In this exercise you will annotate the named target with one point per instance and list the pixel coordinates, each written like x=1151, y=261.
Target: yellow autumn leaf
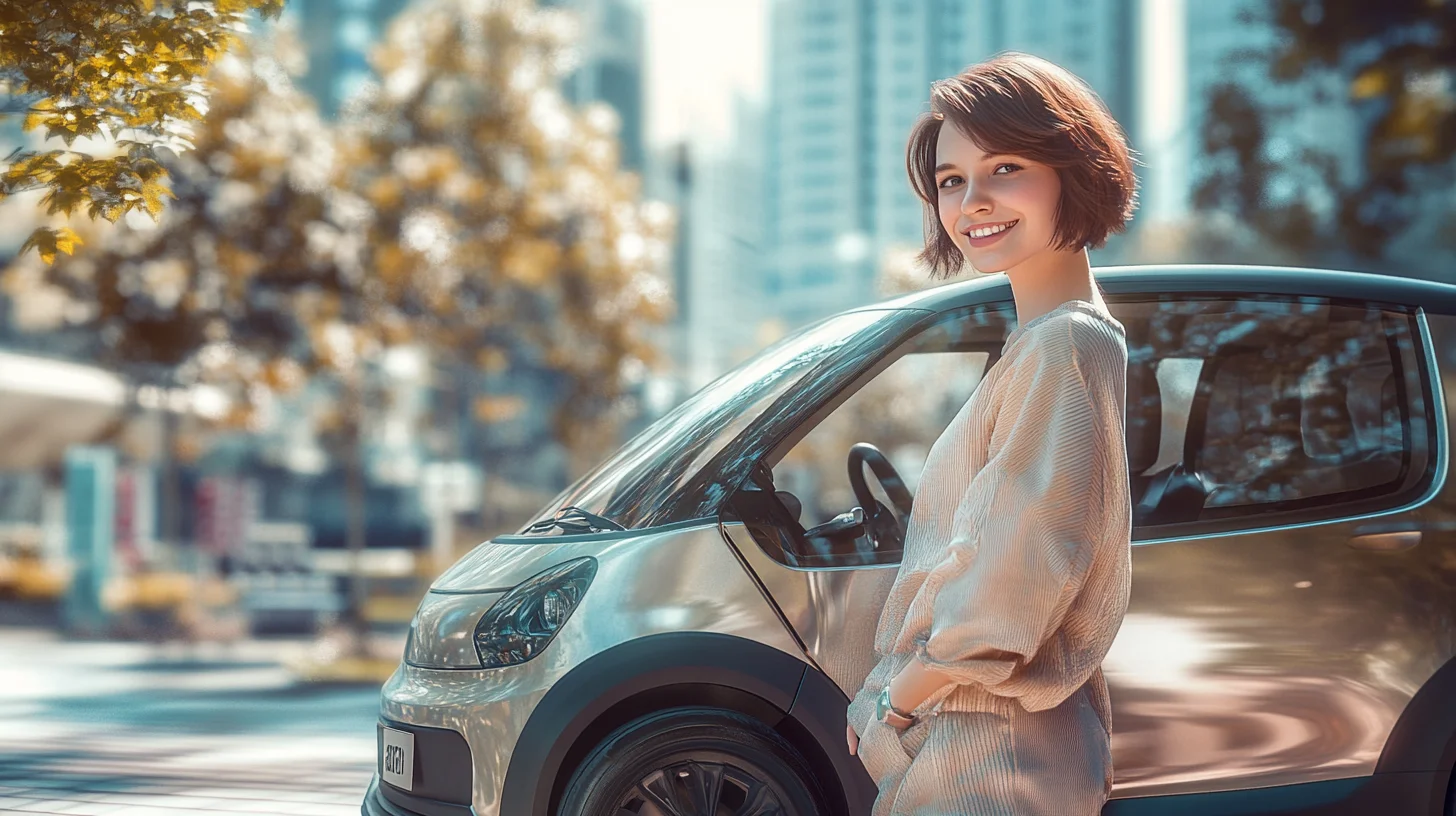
x=49, y=242
x=152, y=193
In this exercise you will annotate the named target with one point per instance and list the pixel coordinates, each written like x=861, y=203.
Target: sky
x=700, y=54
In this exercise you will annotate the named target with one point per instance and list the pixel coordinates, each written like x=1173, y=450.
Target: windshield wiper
x=573, y=519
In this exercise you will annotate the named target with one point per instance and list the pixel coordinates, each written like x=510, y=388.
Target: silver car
x=681, y=631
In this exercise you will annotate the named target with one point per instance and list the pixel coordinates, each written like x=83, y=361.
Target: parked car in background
x=682, y=629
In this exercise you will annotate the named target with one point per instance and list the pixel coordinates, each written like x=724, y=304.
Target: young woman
x=989, y=697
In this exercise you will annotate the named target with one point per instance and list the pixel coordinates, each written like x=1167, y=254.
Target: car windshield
x=632, y=486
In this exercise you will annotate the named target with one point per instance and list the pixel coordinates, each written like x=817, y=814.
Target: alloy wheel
x=699, y=788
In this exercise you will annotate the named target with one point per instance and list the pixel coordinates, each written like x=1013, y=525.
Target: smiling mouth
x=986, y=239
x=982, y=232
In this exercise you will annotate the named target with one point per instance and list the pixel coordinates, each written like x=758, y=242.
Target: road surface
x=126, y=729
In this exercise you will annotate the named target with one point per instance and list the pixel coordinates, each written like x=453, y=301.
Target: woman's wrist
x=897, y=696
x=915, y=684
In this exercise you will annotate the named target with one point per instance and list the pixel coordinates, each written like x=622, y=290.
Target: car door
x=1278, y=449
x=831, y=588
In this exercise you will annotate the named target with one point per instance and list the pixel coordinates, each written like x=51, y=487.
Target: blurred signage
x=452, y=487
x=227, y=507
x=90, y=475
x=135, y=510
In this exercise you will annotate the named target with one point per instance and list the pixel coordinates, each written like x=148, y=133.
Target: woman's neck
x=1049, y=279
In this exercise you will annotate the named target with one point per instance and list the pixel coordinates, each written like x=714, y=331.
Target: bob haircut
x=1022, y=105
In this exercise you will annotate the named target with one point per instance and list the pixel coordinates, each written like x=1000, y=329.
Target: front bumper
x=382, y=800
x=466, y=724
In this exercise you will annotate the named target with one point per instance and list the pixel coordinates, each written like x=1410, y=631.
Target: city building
x=715, y=186
x=337, y=35
x=609, y=66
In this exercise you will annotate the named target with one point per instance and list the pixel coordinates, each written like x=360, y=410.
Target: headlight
x=523, y=622
x=442, y=633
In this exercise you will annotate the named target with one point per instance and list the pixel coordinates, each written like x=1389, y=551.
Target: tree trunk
x=354, y=514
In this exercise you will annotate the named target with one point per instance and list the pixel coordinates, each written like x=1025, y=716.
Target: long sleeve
x=1033, y=585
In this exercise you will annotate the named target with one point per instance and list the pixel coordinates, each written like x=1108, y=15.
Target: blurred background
x=416, y=266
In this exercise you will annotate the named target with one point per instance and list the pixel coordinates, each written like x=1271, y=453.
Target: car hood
x=496, y=567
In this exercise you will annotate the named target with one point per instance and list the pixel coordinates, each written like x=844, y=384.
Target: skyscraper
x=718, y=255
x=338, y=35
x=610, y=66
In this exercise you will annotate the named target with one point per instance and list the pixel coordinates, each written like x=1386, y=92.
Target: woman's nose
x=973, y=200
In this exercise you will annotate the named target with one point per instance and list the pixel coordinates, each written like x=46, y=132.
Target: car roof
x=1437, y=298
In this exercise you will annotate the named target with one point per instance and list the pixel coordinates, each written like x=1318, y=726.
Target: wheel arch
x=1423, y=739
x=667, y=671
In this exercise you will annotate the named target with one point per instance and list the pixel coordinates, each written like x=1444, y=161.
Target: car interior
x=843, y=500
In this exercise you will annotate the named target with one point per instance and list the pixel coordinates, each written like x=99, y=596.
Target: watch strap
x=899, y=721
x=892, y=716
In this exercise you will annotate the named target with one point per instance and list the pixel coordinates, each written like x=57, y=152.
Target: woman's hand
x=852, y=738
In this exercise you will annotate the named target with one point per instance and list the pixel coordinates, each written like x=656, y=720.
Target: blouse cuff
x=861, y=710
x=987, y=672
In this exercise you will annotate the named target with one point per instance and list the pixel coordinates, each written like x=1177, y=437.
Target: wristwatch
x=886, y=713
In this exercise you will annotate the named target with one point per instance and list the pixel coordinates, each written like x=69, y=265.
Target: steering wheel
x=886, y=527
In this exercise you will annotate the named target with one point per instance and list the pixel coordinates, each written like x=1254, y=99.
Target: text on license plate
x=397, y=757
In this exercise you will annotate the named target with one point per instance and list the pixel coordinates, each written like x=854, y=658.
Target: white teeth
x=982, y=233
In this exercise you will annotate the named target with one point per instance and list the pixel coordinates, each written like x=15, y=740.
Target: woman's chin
x=993, y=265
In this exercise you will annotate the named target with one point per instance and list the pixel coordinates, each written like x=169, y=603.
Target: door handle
x=1388, y=541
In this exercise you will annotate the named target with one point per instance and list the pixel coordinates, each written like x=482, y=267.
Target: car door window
x=901, y=408
x=1240, y=409
x=901, y=412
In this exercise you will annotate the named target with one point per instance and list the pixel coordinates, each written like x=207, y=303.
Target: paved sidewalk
x=116, y=776
x=131, y=730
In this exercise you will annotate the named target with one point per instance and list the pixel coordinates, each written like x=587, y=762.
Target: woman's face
x=981, y=193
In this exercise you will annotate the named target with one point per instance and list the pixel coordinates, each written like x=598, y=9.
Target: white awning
x=49, y=405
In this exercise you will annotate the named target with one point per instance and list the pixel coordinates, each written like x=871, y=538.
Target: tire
x=670, y=763
x=1450, y=809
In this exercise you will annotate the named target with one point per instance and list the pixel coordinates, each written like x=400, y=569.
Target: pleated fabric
x=1015, y=580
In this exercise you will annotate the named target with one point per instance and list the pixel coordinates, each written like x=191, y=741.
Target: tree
x=1394, y=63
x=503, y=231
x=129, y=72
x=469, y=210
x=212, y=292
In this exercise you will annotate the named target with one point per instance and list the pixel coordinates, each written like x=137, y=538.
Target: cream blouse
x=1017, y=559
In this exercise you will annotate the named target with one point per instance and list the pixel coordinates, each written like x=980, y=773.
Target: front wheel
x=693, y=762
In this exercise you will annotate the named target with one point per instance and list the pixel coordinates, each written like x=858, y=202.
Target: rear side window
x=1243, y=409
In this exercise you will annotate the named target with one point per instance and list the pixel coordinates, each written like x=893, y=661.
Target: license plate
x=397, y=758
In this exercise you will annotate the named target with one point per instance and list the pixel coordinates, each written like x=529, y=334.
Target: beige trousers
x=1013, y=762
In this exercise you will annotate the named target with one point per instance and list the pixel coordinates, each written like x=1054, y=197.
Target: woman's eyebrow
x=981, y=160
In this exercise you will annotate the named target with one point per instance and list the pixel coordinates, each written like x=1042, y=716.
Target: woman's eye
x=999, y=166
x=946, y=184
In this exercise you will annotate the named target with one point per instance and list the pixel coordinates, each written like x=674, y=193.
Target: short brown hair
x=1023, y=105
